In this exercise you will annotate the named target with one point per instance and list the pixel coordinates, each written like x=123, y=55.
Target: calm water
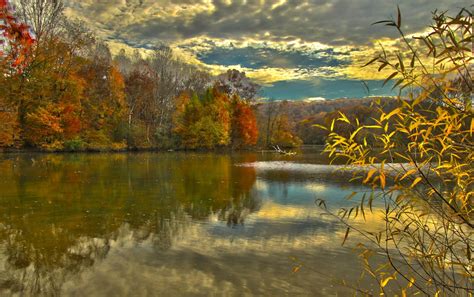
x=172, y=224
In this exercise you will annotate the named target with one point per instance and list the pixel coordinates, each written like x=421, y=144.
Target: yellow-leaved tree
x=419, y=159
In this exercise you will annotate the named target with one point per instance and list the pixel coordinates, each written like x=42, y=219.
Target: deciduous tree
x=244, y=124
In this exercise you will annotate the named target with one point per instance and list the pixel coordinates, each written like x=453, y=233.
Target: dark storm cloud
x=297, y=48
x=329, y=22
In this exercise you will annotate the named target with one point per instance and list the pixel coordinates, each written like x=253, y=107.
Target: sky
x=296, y=49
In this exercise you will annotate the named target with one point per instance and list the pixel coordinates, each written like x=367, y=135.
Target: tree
x=283, y=135
x=104, y=107
x=171, y=78
x=9, y=128
x=139, y=88
x=244, y=124
x=269, y=111
x=234, y=82
x=308, y=130
x=63, y=91
x=205, y=121
x=15, y=54
x=50, y=100
x=428, y=198
x=46, y=91
x=44, y=16
x=15, y=41
x=274, y=125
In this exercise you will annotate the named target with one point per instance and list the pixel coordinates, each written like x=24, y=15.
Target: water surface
x=172, y=224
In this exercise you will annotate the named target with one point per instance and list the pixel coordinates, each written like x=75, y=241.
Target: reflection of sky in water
x=289, y=210
x=199, y=264
x=170, y=252
x=305, y=193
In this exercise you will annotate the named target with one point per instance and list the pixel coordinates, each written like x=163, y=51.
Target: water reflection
x=180, y=224
x=60, y=212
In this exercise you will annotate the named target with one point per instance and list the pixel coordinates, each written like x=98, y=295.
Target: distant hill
x=303, y=114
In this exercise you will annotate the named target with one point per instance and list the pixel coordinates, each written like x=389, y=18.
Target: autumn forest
x=236, y=148
x=61, y=89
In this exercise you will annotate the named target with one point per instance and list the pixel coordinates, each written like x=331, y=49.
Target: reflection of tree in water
x=60, y=213
x=32, y=270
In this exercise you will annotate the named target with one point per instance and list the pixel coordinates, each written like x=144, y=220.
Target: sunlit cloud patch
x=285, y=43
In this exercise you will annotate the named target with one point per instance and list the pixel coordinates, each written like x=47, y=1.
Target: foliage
x=214, y=120
x=275, y=126
x=139, y=89
x=8, y=128
x=244, y=124
x=428, y=197
x=234, y=82
x=75, y=144
x=64, y=91
x=15, y=48
x=104, y=105
x=307, y=116
x=44, y=126
x=205, y=121
x=15, y=41
x=283, y=135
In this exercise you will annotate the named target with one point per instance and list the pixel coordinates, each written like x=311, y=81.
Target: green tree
x=205, y=121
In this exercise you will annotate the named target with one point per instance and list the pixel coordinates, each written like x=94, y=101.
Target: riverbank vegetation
x=61, y=89
x=427, y=240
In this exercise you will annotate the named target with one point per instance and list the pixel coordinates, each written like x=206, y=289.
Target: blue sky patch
x=326, y=88
x=256, y=58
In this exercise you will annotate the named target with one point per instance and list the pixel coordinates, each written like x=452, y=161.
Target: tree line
x=62, y=89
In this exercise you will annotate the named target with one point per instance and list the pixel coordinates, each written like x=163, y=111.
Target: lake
x=173, y=224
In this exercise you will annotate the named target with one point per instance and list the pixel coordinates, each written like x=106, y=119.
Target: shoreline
x=141, y=150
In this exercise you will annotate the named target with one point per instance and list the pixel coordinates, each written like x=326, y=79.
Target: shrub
x=428, y=202
x=76, y=144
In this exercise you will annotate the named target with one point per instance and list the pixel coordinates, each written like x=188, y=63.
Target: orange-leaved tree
x=104, y=106
x=49, y=99
x=244, y=124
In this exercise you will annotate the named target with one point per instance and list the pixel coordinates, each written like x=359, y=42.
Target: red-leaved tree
x=15, y=40
x=244, y=125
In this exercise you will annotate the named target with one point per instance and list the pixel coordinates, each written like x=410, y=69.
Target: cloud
x=265, y=61
x=335, y=22
x=285, y=43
